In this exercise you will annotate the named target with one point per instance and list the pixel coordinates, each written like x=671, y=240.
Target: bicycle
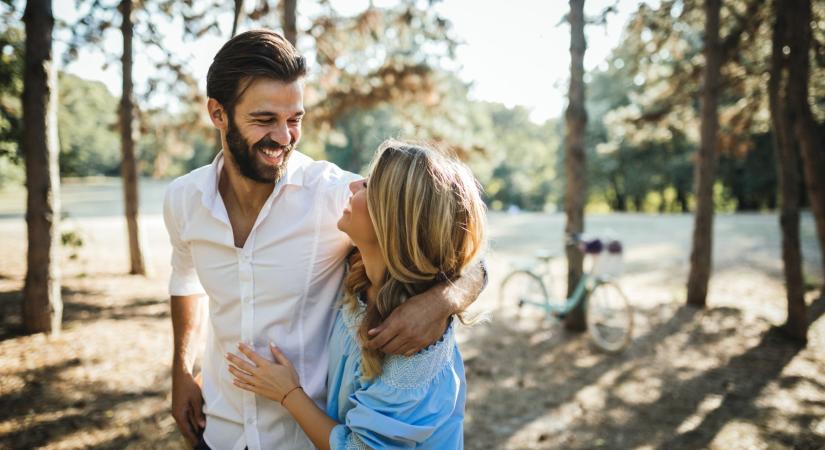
x=608, y=313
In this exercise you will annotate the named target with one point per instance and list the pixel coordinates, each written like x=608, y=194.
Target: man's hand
x=421, y=320
x=412, y=326
x=187, y=405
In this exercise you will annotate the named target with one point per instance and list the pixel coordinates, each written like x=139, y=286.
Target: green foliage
x=71, y=241
x=520, y=166
x=174, y=144
x=12, y=43
x=644, y=109
x=89, y=144
x=516, y=167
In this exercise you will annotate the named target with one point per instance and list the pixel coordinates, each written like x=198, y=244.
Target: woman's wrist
x=296, y=388
x=295, y=399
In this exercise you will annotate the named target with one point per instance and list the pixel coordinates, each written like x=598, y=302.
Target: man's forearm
x=462, y=292
x=187, y=323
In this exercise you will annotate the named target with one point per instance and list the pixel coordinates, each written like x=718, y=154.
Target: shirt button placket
x=247, y=335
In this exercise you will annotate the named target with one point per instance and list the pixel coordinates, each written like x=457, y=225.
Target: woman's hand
x=270, y=380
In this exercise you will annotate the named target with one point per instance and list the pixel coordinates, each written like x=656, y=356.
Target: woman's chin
x=342, y=225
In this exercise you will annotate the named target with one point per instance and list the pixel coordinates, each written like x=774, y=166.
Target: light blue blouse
x=416, y=402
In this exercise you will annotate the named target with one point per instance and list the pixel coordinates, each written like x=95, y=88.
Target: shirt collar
x=208, y=182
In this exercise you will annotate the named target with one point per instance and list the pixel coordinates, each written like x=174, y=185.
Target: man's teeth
x=271, y=153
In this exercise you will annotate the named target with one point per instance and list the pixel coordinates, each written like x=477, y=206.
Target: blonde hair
x=429, y=220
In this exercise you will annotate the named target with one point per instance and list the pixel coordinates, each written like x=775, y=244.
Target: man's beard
x=246, y=157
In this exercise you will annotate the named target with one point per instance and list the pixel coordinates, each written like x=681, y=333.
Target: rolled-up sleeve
x=184, y=279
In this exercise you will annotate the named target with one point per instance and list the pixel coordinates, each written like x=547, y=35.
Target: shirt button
x=248, y=300
x=250, y=421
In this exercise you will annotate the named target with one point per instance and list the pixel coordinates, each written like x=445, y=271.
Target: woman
x=418, y=220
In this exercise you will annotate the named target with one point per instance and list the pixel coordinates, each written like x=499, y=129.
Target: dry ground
x=717, y=378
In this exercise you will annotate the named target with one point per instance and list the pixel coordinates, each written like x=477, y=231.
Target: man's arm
x=421, y=320
x=187, y=400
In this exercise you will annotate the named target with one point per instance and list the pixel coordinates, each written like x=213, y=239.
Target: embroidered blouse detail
x=416, y=402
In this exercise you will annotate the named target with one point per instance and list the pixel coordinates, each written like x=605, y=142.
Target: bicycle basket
x=608, y=264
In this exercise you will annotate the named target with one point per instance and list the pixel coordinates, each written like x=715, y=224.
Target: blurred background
x=688, y=148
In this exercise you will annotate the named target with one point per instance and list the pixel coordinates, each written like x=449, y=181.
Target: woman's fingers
x=240, y=363
x=243, y=385
x=279, y=355
x=249, y=353
x=241, y=375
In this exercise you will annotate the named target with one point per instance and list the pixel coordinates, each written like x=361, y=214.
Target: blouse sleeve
x=402, y=408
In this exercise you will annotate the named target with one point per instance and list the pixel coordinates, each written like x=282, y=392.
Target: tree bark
x=705, y=170
x=805, y=128
x=575, y=194
x=42, y=305
x=787, y=158
x=236, y=19
x=128, y=166
x=290, y=16
x=681, y=199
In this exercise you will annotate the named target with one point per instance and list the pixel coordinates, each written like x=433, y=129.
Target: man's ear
x=217, y=114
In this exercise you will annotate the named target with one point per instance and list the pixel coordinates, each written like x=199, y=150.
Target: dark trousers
x=201, y=445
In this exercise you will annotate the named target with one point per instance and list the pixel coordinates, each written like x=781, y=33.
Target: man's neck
x=375, y=268
x=247, y=196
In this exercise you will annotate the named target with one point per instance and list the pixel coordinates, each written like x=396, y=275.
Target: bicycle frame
x=586, y=283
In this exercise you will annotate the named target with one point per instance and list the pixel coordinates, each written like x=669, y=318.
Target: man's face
x=265, y=127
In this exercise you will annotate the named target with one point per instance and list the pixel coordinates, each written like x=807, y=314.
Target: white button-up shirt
x=280, y=287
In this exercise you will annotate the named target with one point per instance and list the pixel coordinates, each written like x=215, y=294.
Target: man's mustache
x=269, y=144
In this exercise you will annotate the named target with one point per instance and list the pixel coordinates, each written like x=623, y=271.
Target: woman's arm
x=315, y=422
x=279, y=382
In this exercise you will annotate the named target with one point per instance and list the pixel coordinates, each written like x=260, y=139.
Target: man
x=256, y=232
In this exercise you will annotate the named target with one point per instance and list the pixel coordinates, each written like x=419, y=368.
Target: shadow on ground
x=80, y=305
x=51, y=415
x=684, y=379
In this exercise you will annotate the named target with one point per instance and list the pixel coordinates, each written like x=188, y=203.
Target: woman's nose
x=355, y=186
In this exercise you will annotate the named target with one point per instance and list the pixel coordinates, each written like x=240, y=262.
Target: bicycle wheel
x=519, y=294
x=609, y=317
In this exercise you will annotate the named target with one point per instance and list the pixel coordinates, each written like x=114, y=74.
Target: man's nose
x=280, y=134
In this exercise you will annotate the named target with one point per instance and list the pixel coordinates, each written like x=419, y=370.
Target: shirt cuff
x=342, y=438
x=180, y=286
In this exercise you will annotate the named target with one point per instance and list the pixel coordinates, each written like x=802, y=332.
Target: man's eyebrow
x=262, y=113
x=270, y=114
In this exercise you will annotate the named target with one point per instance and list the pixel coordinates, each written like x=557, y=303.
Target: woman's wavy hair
x=429, y=220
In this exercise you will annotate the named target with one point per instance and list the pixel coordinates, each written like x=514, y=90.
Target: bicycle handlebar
x=593, y=246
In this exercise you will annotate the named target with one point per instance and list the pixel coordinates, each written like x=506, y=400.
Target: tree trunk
x=236, y=19
x=681, y=199
x=787, y=158
x=619, y=199
x=289, y=14
x=128, y=167
x=42, y=305
x=805, y=129
x=575, y=121
x=705, y=169
x=663, y=206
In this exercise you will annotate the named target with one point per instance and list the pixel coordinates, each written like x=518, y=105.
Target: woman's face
x=355, y=221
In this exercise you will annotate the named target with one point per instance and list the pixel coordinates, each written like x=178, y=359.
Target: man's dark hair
x=253, y=54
